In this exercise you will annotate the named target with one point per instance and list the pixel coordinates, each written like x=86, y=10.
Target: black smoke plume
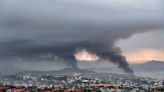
x=31, y=29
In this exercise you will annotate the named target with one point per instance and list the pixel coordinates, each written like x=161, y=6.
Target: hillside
x=149, y=66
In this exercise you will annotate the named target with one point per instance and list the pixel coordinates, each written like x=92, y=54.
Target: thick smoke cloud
x=31, y=28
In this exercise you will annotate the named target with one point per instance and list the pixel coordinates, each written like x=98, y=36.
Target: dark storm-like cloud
x=31, y=28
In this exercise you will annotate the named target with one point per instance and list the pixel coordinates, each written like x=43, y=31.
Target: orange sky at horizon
x=144, y=55
x=133, y=57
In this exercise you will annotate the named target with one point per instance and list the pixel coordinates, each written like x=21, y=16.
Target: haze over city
x=54, y=34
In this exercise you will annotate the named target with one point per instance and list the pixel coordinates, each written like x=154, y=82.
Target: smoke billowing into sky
x=35, y=30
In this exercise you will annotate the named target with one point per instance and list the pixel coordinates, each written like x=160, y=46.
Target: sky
x=150, y=48
x=64, y=32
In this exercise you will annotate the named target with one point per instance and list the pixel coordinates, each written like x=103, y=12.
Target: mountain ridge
x=154, y=65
